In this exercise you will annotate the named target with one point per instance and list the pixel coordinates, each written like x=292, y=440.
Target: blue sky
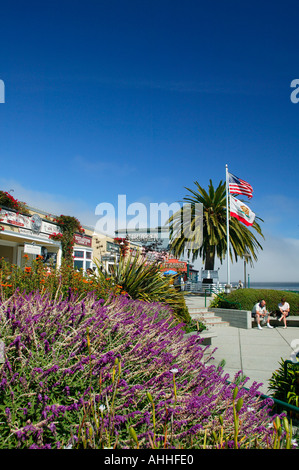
x=143, y=98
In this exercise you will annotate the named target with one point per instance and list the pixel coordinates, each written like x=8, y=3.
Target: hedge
x=247, y=298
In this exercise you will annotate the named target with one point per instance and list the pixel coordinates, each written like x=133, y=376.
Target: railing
x=208, y=290
x=202, y=288
x=281, y=405
x=230, y=302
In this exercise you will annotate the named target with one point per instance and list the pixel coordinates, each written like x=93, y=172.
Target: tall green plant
x=145, y=281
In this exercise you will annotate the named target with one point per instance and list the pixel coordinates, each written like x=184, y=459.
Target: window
x=82, y=259
x=78, y=264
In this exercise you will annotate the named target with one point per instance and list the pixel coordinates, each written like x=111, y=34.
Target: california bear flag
x=242, y=212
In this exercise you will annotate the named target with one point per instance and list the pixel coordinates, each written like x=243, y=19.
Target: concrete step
x=206, y=336
x=217, y=323
x=203, y=315
x=208, y=318
x=197, y=309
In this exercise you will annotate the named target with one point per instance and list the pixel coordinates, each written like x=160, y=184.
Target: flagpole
x=227, y=230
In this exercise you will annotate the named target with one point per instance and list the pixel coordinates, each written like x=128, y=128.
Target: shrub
x=93, y=375
x=56, y=283
x=138, y=282
x=285, y=387
x=145, y=281
x=247, y=298
x=194, y=325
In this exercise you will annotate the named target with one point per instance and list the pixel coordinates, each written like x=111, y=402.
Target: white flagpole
x=227, y=229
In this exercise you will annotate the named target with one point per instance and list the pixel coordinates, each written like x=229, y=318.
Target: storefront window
x=78, y=264
x=24, y=259
x=82, y=259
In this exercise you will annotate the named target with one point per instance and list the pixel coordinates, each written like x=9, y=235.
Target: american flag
x=238, y=186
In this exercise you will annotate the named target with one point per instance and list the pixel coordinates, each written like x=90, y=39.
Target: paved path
x=197, y=301
x=257, y=353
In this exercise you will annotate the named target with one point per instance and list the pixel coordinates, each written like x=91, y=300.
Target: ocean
x=293, y=286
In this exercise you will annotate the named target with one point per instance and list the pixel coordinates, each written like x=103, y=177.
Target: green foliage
x=130, y=278
x=195, y=325
x=285, y=387
x=247, y=298
x=144, y=281
x=69, y=226
x=214, y=242
x=64, y=282
x=221, y=301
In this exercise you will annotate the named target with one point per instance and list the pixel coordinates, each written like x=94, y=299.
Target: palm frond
x=214, y=243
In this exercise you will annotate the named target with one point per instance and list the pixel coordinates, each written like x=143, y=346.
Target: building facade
x=30, y=234
x=158, y=240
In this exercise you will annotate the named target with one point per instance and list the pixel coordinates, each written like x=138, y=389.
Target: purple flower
x=8, y=414
x=135, y=349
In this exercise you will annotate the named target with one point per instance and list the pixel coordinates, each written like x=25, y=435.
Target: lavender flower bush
x=116, y=374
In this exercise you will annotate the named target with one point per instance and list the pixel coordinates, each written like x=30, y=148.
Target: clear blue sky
x=143, y=97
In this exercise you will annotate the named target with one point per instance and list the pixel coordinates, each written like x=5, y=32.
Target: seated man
x=259, y=312
x=284, y=308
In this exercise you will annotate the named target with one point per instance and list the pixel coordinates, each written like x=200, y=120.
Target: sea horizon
x=291, y=286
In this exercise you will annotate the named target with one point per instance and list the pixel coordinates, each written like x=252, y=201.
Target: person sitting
x=259, y=312
x=240, y=285
x=284, y=308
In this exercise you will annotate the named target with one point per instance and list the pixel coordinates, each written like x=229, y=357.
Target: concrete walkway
x=196, y=301
x=257, y=353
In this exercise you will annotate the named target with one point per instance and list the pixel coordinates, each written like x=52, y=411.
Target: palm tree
x=214, y=241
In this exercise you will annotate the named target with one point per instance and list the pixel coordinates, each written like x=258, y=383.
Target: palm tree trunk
x=210, y=258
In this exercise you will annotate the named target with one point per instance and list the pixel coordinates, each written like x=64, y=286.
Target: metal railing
x=230, y=302
x=202, y=288
x=280, y=405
